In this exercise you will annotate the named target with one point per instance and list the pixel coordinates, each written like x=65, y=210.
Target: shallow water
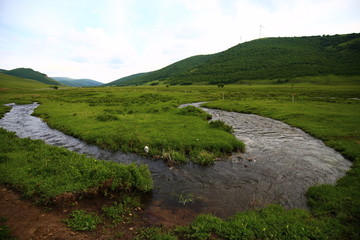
x=279, y=164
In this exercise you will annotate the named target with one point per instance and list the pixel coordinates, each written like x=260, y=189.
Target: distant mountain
x=266, y=58
x=29, y=73
x=78, y=82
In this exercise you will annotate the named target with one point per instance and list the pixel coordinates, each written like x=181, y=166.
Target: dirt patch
x=28, y=221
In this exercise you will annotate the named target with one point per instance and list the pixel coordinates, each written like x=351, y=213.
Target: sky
x=105, y=40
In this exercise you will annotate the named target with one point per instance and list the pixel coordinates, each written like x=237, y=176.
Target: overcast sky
x=108, y=39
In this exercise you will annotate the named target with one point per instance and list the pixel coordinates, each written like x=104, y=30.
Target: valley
x=271, y=150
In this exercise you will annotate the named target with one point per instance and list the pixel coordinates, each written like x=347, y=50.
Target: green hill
x=77, y=82
x=31, y=74
x=124, y=80
x=167, y=74
x=267, y=58
x=11, y=82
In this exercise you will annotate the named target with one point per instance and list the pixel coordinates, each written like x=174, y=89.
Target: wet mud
x=279, y=165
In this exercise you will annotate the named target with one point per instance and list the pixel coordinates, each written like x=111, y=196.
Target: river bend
x=279, y=165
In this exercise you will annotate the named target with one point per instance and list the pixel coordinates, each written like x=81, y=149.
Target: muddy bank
x=279, y=164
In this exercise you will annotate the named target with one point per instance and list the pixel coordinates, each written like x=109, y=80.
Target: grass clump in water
x=172, y=156
x=121, y=210
x=203, y=157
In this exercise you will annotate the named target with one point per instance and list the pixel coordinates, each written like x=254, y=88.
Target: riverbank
x=271, y=171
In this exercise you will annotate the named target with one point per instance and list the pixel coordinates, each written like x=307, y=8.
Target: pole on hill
x=261, y=26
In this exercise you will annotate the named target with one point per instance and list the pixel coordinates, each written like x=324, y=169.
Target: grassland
x=128, y=118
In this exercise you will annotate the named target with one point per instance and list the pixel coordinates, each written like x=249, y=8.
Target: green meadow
x=128, y=118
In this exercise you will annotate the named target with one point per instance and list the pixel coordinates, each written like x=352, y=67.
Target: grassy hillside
x=31, y=74
x=11, y=82
x=77, y=82
x=269, y=58
x=126, y=79
x=167, y=74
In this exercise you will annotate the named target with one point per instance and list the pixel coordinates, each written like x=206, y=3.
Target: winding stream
x=279, y=165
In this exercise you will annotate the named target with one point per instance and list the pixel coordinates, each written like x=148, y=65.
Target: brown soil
x=28, y=221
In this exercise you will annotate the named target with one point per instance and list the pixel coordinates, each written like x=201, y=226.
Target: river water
x=279, y=165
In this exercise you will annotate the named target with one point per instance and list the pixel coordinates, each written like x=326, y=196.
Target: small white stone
x=146, y=149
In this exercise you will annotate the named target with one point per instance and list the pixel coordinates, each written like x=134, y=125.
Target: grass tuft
x=81, y=220
x=221, y=125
